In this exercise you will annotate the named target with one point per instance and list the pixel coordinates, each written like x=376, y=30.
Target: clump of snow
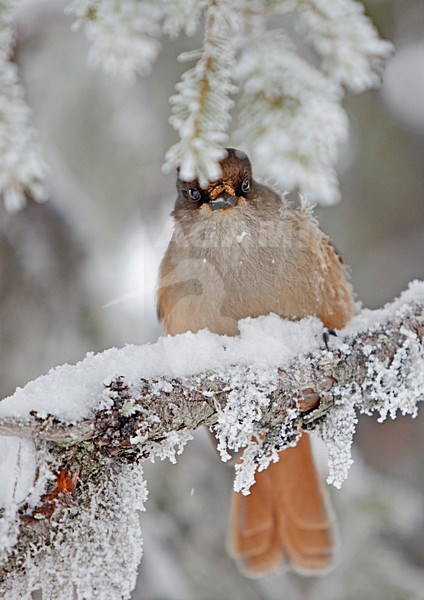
x=367, y=318
x=337, y=432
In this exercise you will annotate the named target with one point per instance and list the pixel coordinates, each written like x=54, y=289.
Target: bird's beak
x=223, y=201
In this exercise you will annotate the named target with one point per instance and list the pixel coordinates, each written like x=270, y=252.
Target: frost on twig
x=290, y=118
x=22, y=167
x=290, y=114
x=256, y=392
x=346, y=40
x=124, y=35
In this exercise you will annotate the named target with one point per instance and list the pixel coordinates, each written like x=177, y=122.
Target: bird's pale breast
x=230, y=266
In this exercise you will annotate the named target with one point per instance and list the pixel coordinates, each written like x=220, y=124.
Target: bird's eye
x=245, y=186
x=194, y=194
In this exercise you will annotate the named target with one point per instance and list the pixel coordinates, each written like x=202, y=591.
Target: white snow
x=373, y=318
x=17, y=458
x=22, y=166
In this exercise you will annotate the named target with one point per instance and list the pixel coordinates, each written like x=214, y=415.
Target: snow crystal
x=240, y=426
x=170, y=447
x=337, y=432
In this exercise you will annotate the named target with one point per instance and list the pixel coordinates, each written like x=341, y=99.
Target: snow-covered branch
x=312, y=384
x=289, y=112
x=123, y=35
x=22, y=167
x=92, y=424
x=290, y=118
x=201, y=108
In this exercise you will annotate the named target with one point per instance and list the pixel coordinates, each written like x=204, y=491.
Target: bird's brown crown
x=234, y=166
x=234, y=183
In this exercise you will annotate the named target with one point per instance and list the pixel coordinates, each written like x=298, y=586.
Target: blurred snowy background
x=78, y=274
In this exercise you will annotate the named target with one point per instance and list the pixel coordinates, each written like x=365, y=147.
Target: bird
x=240, y=249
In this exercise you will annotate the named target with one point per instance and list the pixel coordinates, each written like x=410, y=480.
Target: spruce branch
x=124, y=35
x=290, y=114
x=201, y=108
x=291, y=119
x=292, y=126
x=22, y=168
x=346, y=40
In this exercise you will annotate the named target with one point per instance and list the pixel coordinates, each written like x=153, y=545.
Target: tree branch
x=165, y=405
x=378, y=365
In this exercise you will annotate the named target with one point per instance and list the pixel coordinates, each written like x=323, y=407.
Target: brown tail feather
x=283, y=518
x=252, y=534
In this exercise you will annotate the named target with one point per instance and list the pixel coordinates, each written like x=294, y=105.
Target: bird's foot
x=326, y=336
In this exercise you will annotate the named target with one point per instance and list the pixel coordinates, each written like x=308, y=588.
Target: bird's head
x=233, y=189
